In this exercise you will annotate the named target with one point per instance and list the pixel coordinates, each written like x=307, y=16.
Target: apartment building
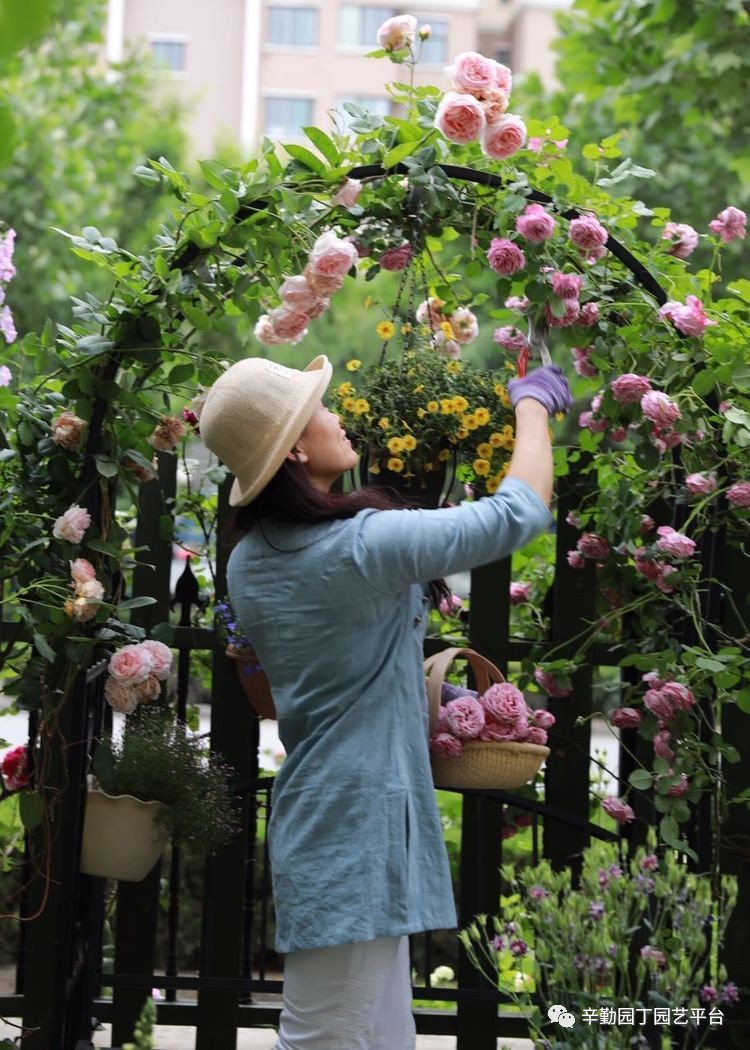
x=250, y=68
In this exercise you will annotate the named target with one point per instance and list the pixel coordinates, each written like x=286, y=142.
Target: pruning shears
x=537, y=339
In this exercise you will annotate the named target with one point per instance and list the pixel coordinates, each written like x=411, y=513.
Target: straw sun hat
x=254, y=413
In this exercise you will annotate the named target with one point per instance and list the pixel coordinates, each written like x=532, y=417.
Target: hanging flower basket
x=482, y=764
x=427, y=487
x=122, y=838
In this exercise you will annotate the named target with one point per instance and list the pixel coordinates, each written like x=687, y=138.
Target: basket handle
x=436, y=668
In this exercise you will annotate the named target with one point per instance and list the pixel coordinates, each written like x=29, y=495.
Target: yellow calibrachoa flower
x=349, y=404
x=395, y=464
x=492, y=483
x=446, y=405
x=345, y=389
x=496, y=440
x=361, y=406
x=432, y=406
x=453, y=367
x=503, y=471
x=353, y=365
x=447, y=328
x=470, y=421
x=481, y=415
x=462, y=433
x=374, y=468
x=460, y=403
x=396, y=444
x=385, y=329
x=421, y=413
x=508, y=431
x=384, y=423
x=443, y=454
x=410, y=442
x=485, y=450
x=481, y=467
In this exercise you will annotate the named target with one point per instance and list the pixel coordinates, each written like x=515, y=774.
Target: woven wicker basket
x=488, y=764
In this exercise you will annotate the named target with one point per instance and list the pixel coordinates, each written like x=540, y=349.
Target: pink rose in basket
x=465, y=717
x=543, y=719
x=502, y=733
x=504, y=703
x=447, y=745
x=536, y=735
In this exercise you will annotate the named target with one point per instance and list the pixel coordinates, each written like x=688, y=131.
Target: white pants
x=351, y=997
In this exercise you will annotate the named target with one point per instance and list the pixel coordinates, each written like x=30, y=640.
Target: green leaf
x=703, y=381
x=104, y=548
x=136, y=603
x=23, y=24
x=106, y=466
x=181, y=373
x=7, y=132
x=31, y=807
x=398, y=153
x=42, y=646
x=324, y=145
x=640, y=779
x=742, y=699
x=305, y=157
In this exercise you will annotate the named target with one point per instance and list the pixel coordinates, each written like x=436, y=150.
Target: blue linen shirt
x=337, y=614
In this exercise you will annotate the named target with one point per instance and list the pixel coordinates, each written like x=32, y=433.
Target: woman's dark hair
x=291, y=498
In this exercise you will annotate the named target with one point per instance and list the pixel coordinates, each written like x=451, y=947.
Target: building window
x=293, y=26
x=378, y=105
x=169, y=53
x=358, y=25
x=287, y=116
x=435, y=47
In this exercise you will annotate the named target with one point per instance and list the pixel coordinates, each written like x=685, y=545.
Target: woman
x=331, y=590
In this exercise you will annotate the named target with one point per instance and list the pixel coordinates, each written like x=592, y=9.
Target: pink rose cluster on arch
x=306, y=295
x=499, y=714
x=136, y=673
x=88, y=592
x=450, y=331
x=475, y=110
x=7, y=273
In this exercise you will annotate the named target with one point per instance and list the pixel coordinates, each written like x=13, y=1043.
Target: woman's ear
x=297, y=456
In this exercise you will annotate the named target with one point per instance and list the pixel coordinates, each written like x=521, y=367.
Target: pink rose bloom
x=505, y=257
x=331, y=256
x=14, y=767
x=7, y=244
x=596, y=426
x=679, y=789
x=679, y=694
x=536, y=735
x=504, y=137
x=290, y=325
x=121, y=696
x=347, y=194
x=576, y=560
x=517, y=302
x=92, y=589
x=494, y=102
x=683, y=239
x=264, y=331
x=660, y=704
x=519, y=593
x=504, y=703
x=147, y=691
x=700, y=484
x=503, y=78
x=592, y=546
x=738, y=495
x=82, y=571
x=574, y=518
x=647, y=524
x=473, y=72
x=535, y=224
x=618, y=809
x=730, y=224
x=447, y=745
x=297, y=294
x=653, y=680
x=549, y=683
x=659, y=408
x=450, y=606
x=446, y=347
x=465, y=717
x=618, y=433
x=322, y=285
x=589, y=315
x=587, y=233
x=397, y=32
x=503, y=733
x=442, y=721
x=630, y=387
x=510, y=338
x=543, y=718
x=566, y=285
x=649, y=954
x=688, y=317
x=464, y=324
x=581, y=361
x=571, y=310
x=661, y=744
x=80, y=609
x=67, y=430
x=71, y=526
x=396, y=258
x=674, y=543
x=647, y=566
x=132, y=664
x=161, y=656
x=625, y=718
x=167, y=433
x=460, y=118
x=430, y=312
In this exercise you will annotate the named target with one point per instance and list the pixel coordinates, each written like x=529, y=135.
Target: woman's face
x=324, y=448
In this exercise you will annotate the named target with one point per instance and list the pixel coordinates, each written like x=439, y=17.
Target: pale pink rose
x=535, y=224
x=592, y=546
x=450, y=606
x=396, y=258
x=589, y=314
x=653, y=680
x=535, y=735
x=14, y=767
x=587, y=233
x=460, y=118
x=447, y=347
x=148, y=690
x=290, y=325
x=517, y=302
x=473, y=72
x=674, y=543
x=519, y=593
x=738, y=495
x=425, y=32
x=92, y=589
x=264, y=331
x=167, y=434
x=504, y=703
x=700, y=484
x=331, y=256
x=618, y=809
x=683, y=239
x=71, y=526
x=682, y=697
x=131, y=664
x=630, y=387
x=576, y=560
x=81, y=609
x=730, y=224
x=321, y=284
x=464, y=324
x=574, y=518
x=494, y=102
x=504, y=137
x=499, y=731
x=659, y=408
x=505, y=257
x=661, y=743
x=549, y=683
x=430, y=312
x=594, y=255
x=596, y=426
x=625, y=718
x=649, y=954
x=347, y=194
x=447, y=745
x=543, y=718
x=724, y=406
x=465, y=717
x=662, y=705
x=297, y=294
x=510, y=338
x=82, y=571
x=566, y=285
x=120, y=696
x=397, y=32
x=67, y=430
x=680, y=788
x=161, y=657
x=503, y=78
x=688, y=317
x=648, y=567
x=571, y=308
x=647, y=524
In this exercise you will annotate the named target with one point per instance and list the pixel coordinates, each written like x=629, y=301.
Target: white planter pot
x=121, y=838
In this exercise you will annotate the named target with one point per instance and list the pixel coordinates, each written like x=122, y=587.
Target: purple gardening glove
x=547, y=385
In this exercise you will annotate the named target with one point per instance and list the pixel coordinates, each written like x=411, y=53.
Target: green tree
x=80, y=131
